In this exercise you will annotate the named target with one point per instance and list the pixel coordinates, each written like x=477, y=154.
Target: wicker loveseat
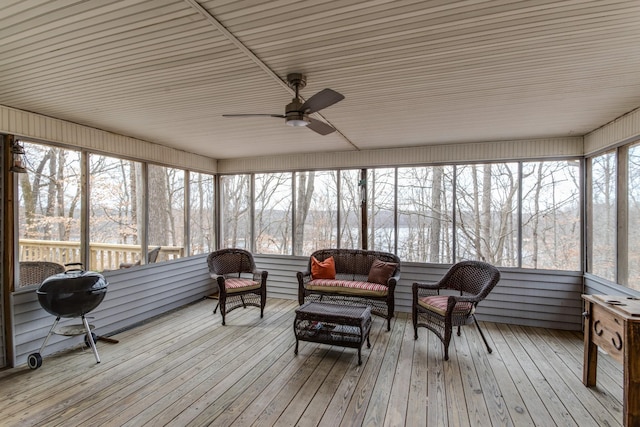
x=351, y=285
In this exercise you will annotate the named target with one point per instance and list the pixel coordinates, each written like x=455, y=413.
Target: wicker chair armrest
x=422, y=289
x=424, y=285
x=304, y=277
x=393, y=281
x=260, y=275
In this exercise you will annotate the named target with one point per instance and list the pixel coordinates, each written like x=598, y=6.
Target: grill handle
x=73, y=269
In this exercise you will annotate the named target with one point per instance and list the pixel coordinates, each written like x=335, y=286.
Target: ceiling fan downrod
x=294, y=116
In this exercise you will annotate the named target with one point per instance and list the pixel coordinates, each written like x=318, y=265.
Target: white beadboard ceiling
x=414, y=73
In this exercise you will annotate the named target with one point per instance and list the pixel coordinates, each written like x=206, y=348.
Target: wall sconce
x=18, y=161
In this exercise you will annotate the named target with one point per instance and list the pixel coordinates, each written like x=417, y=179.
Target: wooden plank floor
x=185, y=369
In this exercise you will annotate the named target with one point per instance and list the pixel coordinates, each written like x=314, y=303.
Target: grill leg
x=90, y=338
x=44, y=344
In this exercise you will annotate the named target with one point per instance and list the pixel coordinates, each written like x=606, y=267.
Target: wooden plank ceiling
x=413, y=72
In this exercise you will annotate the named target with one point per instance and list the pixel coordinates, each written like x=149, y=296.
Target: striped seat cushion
x=438, y=304
x=348, y=287
x=239, y=284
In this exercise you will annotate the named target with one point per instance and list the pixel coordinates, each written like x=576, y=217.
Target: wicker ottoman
x=334, y=324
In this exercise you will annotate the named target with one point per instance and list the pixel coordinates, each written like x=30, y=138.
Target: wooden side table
x=613, y=324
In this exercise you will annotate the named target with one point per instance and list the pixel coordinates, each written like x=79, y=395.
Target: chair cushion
x=239, y=284
x=323, y=269
x=438, y=304
x=381, y=271
x=348, y=287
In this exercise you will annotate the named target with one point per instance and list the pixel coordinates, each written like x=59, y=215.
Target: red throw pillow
x=381, y=271
x=323, y=269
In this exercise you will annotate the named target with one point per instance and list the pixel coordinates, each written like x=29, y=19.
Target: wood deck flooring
x=185, y=369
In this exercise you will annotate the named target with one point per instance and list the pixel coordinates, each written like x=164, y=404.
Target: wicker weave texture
x=332, y=324
x=378, y=306
x=34, y=272
x=231, y=262
x=353, y=265
x=227, y=263
x=466, y=281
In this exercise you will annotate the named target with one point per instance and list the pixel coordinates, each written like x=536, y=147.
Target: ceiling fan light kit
x=297, y=112
x=293, y=113
x=302, y=121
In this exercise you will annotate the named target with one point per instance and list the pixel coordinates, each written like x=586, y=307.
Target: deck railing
x=102, y=256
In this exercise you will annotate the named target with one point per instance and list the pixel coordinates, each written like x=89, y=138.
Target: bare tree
x=305, y=191
x=235, y=208
x=485, y=224
x=436, y=223
x=273, y=212
x=201, y=215
x=349, y=205
x=158, y=196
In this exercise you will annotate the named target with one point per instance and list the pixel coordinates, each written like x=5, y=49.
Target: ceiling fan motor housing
x=294, y=116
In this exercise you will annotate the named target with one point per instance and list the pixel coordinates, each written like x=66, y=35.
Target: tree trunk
x=504, y=226
x=135, y=178
x=51, y=193
x=436, y=221
x=159, y=225
x=476, y=214
x=306, y=181
x=29, y=197
x=485, y=230
x=199, y=242
x=536, y=218
x=63, y=226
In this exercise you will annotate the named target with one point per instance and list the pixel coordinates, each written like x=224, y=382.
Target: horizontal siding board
x=432, y=154
x=533, y=322
x=535, y=313
x=560, y=300
x=597, y=286
x=282, y=281
x=619, y=131
x=280, y=293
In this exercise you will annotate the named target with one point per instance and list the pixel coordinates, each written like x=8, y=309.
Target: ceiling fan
x=296, y=113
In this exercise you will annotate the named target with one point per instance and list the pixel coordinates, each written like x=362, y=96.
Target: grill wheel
x=34, y=360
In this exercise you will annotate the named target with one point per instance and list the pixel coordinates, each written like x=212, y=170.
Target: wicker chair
x=152, y=256
x=239, y=282
x=441, y=312
x=34, y=272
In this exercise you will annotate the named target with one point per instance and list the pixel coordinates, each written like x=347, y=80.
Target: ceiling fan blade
x=322, y=99
x=320, y=127
x=280, y=116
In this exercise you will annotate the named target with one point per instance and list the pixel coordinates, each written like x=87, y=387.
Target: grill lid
x=73, y=293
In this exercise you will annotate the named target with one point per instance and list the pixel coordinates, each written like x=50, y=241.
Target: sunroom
x=507, y=132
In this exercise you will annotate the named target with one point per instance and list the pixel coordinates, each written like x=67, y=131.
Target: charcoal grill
x=71, y=294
